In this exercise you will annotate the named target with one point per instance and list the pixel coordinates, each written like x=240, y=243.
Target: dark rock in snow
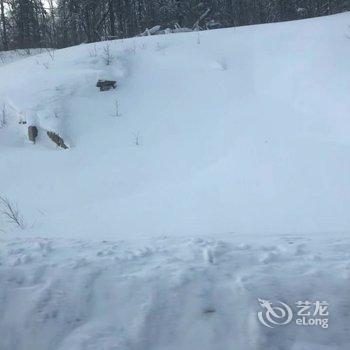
x=106, y=85
x=32, y=133
x=57, y=139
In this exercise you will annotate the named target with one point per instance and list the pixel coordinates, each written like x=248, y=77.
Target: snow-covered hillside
x=7, y=57
x=238, y=137
x=246, y=131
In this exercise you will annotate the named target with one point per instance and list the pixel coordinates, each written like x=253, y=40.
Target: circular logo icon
x=274, y=315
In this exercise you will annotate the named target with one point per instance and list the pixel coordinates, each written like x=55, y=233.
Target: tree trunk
x=53, y=24
x=111, y=17
x=4, y=30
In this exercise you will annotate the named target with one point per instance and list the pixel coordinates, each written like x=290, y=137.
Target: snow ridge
x=79, y=295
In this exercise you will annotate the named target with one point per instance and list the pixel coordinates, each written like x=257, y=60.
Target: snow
x=245, y=132
x=223, y=179
x=166, y=294
x=10, y=56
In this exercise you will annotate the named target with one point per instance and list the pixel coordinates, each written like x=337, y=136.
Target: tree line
x=61, y=23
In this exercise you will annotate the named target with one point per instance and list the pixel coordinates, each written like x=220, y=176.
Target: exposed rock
x=106, y=85
x=57, y=139
x=32, y=133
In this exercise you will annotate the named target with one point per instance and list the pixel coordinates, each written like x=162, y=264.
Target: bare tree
x=3, y=117
x=62, y=23
x=11, y=212
x=117, y=113
x=53, y=31
x=4, y=28
x=107, y=55
x=93, y=52
x=2, y=58
x=51, y=53
x=137, y=138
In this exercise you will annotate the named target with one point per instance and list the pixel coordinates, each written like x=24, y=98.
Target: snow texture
x=167, y=294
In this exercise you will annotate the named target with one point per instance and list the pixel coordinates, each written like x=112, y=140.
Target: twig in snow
x=137, y=139
x=10, y=211
x=3, y=120
x=117, y=113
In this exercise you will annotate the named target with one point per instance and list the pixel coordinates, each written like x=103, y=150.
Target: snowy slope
x=246, y=131
x=237, y=137
x=7, y=57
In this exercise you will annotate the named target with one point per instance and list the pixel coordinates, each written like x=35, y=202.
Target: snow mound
x=166, y=294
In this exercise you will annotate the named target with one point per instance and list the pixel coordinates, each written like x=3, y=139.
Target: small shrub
x=11, y=212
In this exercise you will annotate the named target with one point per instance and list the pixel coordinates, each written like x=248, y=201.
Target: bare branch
x=107, y=55
x=11, y=212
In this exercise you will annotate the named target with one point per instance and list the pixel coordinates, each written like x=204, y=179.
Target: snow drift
x=185, y=294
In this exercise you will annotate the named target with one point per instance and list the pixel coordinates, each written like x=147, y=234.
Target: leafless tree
x=61, y=23
x=117, y=113
x=11, y=212
x=107, y=55
x=2, y=58
x=51, y=53
x=3, y=27
x=3, y=117
x=137, y=139
x=93, y=52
